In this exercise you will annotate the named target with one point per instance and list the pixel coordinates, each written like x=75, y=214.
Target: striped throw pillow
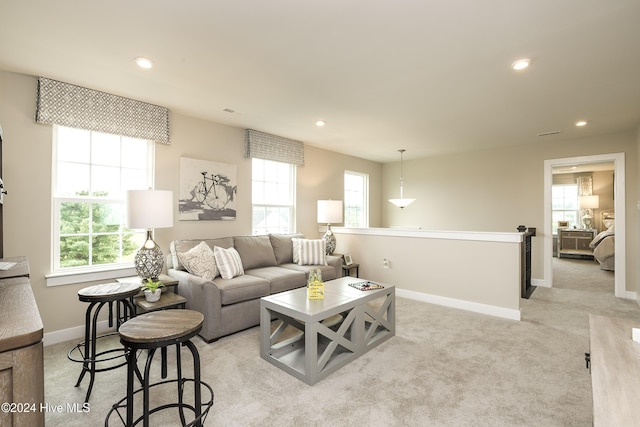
x=228, y=262
x=312, y=252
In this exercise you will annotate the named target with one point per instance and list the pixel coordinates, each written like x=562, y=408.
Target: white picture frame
x=347, y=259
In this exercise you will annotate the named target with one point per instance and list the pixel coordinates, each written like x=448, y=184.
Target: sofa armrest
x=202, y=295
x=336, y=262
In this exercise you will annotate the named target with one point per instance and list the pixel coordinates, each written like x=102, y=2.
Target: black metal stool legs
x=155, y=331
x=88, y=348
x=197, y=406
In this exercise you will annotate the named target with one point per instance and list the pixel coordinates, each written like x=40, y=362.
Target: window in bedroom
x=91, y=173
x=273, y=196
x=564, y=202
x=356, y=199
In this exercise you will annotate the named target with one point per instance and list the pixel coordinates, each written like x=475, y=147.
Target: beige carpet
x=444, y=367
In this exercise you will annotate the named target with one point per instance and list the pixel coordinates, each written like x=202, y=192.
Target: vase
x=152, y=296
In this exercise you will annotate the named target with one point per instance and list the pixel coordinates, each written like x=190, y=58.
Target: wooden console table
x=615, y=371
x=21, y=352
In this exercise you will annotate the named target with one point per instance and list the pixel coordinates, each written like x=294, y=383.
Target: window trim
x=293, y=173
x=577, y=210
x=83, y=274
x=365, y=201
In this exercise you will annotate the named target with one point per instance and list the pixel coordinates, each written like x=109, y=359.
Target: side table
x=168, y=299
x=97, y=296
x=347, y=269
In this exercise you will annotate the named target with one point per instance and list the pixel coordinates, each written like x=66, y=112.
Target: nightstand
x=574, y=242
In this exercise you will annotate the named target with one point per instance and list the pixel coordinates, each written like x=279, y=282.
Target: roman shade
x=78, y=107
x=265, y=146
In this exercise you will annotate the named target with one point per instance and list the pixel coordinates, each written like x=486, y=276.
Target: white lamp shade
x=330, y=211
x=149, y=209
x=402, y=203
x=589, y=202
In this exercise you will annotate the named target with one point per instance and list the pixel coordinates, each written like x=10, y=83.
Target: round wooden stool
x=97, y=296
x=161, y=329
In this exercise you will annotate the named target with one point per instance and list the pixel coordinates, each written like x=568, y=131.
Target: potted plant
x=152, y=289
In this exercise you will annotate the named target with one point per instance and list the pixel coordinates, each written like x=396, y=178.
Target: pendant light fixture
x=401, y=202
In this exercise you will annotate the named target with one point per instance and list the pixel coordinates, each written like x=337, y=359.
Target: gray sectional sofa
x=231, y=305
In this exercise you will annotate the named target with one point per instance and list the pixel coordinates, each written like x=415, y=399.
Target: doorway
x=619, y=206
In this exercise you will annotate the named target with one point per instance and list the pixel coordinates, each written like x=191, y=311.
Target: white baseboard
x=475, y=307
x=539, y=282
x=75, y=333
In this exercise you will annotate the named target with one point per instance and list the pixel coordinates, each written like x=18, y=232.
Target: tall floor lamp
x=149, y=209
x=329, y=211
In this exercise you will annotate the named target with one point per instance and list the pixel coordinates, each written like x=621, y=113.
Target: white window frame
x=363, y=201
x=69, y=275
x=577, y=210
x=290, y=203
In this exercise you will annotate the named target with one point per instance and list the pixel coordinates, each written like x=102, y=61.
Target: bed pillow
x=312, y=252
x=228, y=262
x=599, y=238
x=200, y=261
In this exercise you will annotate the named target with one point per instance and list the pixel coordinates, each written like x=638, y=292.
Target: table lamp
x=587, y=203
x=329, y=211
x=149, y=209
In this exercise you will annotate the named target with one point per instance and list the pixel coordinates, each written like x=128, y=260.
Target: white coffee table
x=368, y=319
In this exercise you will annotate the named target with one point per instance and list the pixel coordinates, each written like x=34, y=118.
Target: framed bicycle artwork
x=207, y=190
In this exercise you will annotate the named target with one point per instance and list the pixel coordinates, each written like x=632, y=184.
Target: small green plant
x=151, y=285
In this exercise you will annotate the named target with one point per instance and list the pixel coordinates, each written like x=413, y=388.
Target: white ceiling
x=431, y=76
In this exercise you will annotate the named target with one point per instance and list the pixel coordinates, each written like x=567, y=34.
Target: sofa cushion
x=255, y=251
x=312, y=252
x=200, y=261
x=283, y=246
x=328, y=271
x=241, y=288
x=181, y=246
x=228, y=262
x=281, y=279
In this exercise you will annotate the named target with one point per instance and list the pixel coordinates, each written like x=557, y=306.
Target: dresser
x=575, y=242
x=615, y=371
x=21, y=350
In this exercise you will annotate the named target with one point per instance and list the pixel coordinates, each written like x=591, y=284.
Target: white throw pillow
x=228, y=262
x=295, y=242
x=312, y=252
x=200, y=261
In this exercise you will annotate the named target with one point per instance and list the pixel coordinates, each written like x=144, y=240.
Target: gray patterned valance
x=78, y=107
x=271, y=147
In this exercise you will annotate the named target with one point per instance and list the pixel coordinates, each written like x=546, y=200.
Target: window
x=564, y=202
x=273, y=196
x=91, y=173
x=356, y=200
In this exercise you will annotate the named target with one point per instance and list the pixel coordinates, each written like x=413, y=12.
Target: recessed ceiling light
x=144, y=62
x=581, y=123
x=320, y=123
x=521, y=64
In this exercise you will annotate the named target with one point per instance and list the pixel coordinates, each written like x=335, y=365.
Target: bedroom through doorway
x=582, y=197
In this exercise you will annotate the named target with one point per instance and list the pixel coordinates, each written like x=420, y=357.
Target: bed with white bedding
x=604, y=244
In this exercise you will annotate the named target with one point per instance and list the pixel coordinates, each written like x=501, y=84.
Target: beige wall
x=428, y=265
x=323, y=178
x=27, y=212
x=497, y=190
x=484, y=191
x=635, y=202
